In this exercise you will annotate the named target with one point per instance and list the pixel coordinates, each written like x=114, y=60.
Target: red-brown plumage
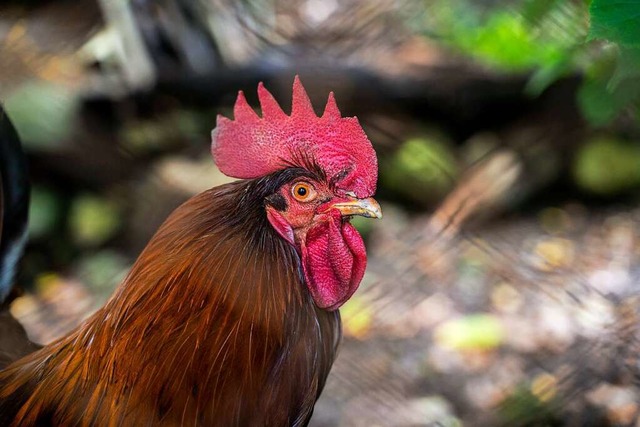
x=211, y=327
x=223, y=320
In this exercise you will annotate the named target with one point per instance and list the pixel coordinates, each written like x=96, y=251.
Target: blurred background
x=503, y=281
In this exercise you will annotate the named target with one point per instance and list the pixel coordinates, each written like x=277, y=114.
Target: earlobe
x=280, y=224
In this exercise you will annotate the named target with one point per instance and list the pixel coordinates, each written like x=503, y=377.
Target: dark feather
x=14, y=203
x=213, y=326
x=14, y=206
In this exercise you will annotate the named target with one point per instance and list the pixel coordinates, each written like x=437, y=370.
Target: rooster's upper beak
x=367, y=208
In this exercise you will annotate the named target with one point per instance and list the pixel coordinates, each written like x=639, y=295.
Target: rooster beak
x=367, y=208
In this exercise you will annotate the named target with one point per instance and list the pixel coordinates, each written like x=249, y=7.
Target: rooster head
x=332, y=173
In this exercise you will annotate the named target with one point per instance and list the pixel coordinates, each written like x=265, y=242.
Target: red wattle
x=333, y=260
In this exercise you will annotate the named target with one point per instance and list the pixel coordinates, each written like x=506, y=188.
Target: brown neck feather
x=212, y=326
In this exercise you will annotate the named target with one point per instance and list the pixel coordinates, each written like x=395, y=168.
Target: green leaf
x=507, y=41
x=617, y=21
x=628, y=66
x=600, y=105
x=44, y=212
x=43, y=113
x=535, y=11
x=93, y=220
x=546, y=75
x=522, y=407
x=608, y=166
x=480, y=331
x=421, y=163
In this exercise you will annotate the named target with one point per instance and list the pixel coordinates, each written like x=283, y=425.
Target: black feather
x=14, y=203
x=14, y=208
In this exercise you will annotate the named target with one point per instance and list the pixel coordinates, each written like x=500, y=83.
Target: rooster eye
x=303, y=192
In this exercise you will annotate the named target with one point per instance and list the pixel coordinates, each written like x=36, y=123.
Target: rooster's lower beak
x=367, y=208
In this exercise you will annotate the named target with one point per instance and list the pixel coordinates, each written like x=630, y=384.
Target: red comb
x=251, y=146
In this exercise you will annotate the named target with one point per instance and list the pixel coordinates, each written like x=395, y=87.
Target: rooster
x=229, y=315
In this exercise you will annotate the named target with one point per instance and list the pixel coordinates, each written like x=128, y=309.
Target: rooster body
x=274, y=333
x=227, y=318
